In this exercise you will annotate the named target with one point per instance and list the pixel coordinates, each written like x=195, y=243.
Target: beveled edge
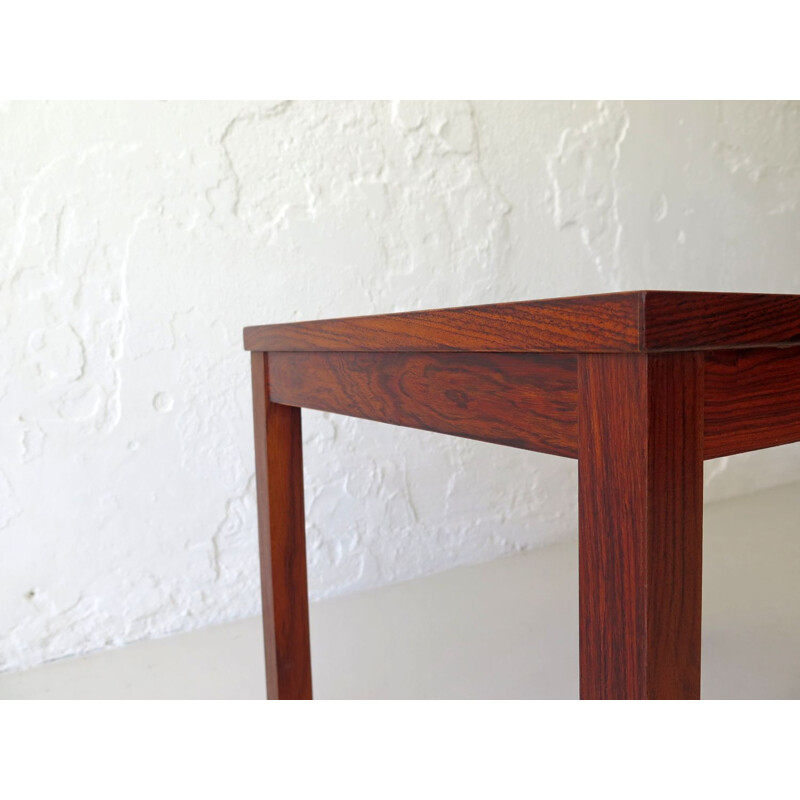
x=636, y=321
x=718, y=320
x=603, y=322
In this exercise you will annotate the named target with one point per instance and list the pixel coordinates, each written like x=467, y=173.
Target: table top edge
x=629, y=321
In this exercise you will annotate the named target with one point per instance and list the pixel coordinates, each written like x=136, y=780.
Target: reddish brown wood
x=620, y=380
x=605, y=323
x=281, y=527
x=568, y=324
x=640, y=551
x=752, y=399
x=706, y=320
x=520, y=400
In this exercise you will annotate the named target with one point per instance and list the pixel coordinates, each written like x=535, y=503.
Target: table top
x=641, y=321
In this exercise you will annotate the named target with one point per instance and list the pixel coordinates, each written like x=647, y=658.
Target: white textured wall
x=136, y=240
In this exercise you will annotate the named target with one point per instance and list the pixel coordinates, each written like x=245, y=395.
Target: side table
x=640, y=387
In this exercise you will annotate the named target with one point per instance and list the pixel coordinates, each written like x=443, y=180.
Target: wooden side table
x=640, y=387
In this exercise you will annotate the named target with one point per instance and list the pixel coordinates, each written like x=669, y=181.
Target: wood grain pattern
x=640, y=550
x=706, y=320
x=644, y=321
x=752, y=399
x=606, y=322
x=640, y=386
x=520, y=400
x=281, y=528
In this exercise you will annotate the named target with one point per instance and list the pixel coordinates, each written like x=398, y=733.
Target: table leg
x=640, y=551
x=281, y=529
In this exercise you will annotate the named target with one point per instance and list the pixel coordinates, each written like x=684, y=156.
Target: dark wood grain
x=705, y=320
x=644, y=321
x=640, y=550
x=640, y=386
x=281, y=527
x=752, y=399
x=520, y=400
x=600, y=323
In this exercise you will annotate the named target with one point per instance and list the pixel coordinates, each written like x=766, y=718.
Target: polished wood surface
x=522, y=400
x=706, y=320
x=281, y=534
x=752, y=399
x=640, y=510
x=605, y=323
x=639, y=386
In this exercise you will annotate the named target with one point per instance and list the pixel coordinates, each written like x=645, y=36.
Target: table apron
x=524, y=400
x=530, y=400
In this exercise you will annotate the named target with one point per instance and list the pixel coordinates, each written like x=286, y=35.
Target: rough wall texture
x=136, y=240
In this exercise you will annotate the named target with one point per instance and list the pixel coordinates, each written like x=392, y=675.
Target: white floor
x=507, y=629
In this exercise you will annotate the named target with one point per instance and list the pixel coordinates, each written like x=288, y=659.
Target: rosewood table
x=640, y=387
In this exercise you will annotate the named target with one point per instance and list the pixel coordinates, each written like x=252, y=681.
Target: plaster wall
x=137, y=239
